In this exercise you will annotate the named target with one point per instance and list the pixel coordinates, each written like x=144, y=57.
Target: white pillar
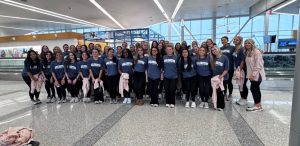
x=295, y=117
x=267, y=20
x=214, y=29
x=169, y=31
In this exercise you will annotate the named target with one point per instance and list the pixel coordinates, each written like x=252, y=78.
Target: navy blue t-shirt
x=83, y=68
x=126, y=65
x=111, y=66
x=238, y=57
x=141, y=64
x=203, y=66
x=228, y=51
x=47, y=68
x=185, y=72
x=58, y=68
x=35, y=69
x=153, y=69
x=72, y=70
x=221, y=64
x=170, y=66
x=95, y=65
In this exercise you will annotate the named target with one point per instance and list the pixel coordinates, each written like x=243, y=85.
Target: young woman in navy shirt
x=188, y=73
x=32, y=67
x=49, y=86
x=72, y=75
x=170, y=70
x=58, y=74
x=84, y=74
x=126, y=66
x=95, y=65
x=220, y=66
x=111, y=72
x=203, y=70
x=140, y=65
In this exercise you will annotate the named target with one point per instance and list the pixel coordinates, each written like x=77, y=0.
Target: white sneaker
x=193, y=105
x=152, y=104
x=201, y=105
x=33, y=102
x=72, y=100
x=167, y=105
x=100, y=102
x=76, y=99
x=155, y=105
x=49, y=100
x=219, y=109
x=129, y=100
x=184, y=96
x=64, y=101
x=59, y=101
x=96, y=102
x=160, y=96
x=187, y=104
x=241, y=102
x=172, y=106
x=84, y=99
x=206, y=105
x=255, y=109
x=125, y=100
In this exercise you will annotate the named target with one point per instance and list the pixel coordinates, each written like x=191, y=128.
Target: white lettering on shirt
x=141, y=62
x=219, y=63
x=169, y=61
x=152, y=62
x=202, y=63
x=83, y=66
x=127, y=64
x=225, y=51
x=59, y=67
x=110, y=63
x=95, y=65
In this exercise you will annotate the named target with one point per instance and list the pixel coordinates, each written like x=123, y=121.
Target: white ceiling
x=129, y=13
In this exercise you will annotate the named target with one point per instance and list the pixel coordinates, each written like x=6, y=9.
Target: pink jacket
x=16, y=136
x=85, y=86
x=97, y=84
x=216, y=83
x=239, y=76
x=36, y=85
x=255, y=66
x=123, y=83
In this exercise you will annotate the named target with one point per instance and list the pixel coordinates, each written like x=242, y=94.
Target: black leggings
x=28, y=82
x=139, y=83
x=74, y=89
x=170, y=88
x=112, y=85
x=190, y=87
x=204, y=84
x=153, y=90
x=229, y=84
x=255, y=90
x=49, y=87
x=220, y=99
x=161, y=86
x=244, y=93
x=61, y=91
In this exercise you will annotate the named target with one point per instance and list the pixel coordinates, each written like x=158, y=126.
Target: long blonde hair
x=250, y=52
x=213, y=57
x=238, y=46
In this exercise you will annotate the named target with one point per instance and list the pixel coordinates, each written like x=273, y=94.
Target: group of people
x=161, y=69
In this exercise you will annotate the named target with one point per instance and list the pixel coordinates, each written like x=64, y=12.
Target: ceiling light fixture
x=46, y=12
x=40, y=20
x=162, y=10
x=106, y=13
x=283, y=5
x=177, y=8
x=16, y=28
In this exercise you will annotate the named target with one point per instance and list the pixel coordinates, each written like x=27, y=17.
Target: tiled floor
x=106, y=124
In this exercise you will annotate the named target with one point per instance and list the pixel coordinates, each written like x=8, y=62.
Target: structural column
x=169, y=31
x=266, y=28
x=295, y=117
x=214, y=28
x=182, y=30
